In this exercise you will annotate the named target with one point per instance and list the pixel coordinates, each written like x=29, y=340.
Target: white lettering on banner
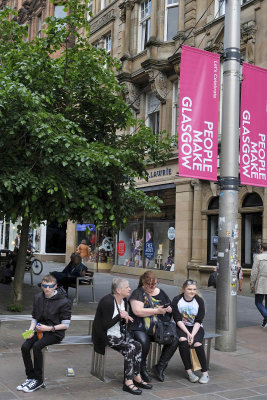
x=215, y=78
x=196, y=145
x=253, y=157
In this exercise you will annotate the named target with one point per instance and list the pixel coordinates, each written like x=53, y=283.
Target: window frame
x=143, y=21
x=167, y=7
x=175, y=104
x=155, y=113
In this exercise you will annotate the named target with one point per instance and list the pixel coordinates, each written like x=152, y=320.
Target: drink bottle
x=39, y=334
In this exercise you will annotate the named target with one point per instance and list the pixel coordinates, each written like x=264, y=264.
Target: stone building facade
x=146, y=35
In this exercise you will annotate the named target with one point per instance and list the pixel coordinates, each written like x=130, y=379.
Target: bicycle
x=33, y=264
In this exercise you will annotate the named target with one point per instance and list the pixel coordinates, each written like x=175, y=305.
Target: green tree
x=65, y=150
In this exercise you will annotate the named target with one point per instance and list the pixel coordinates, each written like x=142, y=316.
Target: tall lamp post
x=226, y=293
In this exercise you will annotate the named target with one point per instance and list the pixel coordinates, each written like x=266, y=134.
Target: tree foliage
x=65, y=150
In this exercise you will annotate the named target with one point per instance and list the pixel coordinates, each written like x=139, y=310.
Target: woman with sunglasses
x=188, y=312
x=50, y=318
x=148, y=303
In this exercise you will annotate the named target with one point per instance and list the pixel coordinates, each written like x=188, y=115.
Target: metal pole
x=226, y=293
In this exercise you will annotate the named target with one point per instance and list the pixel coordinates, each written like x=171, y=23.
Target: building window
x=148, y=241
x=152, y=114
x=144, y=27
x=107, y=43
x=90, y=11
x=175, y=108
x=59, y=12
x=220, y=7
x=39, y=26
x=103, y=4
x=171, y=19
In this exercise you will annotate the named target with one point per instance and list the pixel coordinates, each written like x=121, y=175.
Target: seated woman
x=71, y=271
x=188, y=312
x=147, y=304
x=110, y=314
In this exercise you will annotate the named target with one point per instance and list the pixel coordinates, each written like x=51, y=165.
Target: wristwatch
x=53, y=329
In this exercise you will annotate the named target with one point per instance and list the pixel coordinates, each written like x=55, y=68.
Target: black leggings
x=145, y=340
x=185, y=355
x=36, y=371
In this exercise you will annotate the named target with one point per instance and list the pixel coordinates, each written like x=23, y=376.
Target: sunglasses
x=190, y=282
x=44, y=285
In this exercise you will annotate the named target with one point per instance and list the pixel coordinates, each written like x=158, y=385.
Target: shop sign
x=171, y=233
x=149, y=250
x=82, y=227
x=121, y=248
x=199, y=113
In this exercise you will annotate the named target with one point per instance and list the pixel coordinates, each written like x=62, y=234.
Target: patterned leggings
x=132, y=351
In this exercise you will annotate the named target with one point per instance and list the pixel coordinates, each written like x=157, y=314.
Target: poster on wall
x=253, y=126
x=198, y=113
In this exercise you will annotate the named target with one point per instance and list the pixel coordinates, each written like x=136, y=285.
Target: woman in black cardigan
x=111, y=314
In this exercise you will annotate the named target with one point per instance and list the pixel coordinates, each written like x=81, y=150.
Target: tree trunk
x=21, y=263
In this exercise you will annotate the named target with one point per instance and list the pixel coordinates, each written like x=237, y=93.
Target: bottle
x=39, y=334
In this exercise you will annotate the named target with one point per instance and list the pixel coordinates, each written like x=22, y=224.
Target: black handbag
x=212, y=279
x=165, y=332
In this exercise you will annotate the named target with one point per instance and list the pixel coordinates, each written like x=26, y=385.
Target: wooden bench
x=86, y=280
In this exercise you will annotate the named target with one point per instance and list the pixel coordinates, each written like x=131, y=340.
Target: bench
x=155, y=350
x=86, y=280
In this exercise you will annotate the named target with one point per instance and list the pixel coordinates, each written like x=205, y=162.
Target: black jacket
x=51, y=311
x=103, y=321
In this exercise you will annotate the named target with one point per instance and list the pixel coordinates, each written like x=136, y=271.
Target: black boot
x=159, y=371
x=144, y=373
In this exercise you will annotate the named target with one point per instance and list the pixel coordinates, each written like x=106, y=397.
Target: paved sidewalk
x=238, y=375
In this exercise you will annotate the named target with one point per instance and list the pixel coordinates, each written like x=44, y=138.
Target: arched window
x=252, y=200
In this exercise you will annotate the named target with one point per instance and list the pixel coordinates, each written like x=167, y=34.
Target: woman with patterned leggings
x=111, y=315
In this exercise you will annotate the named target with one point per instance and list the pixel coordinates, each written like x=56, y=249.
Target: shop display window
x=100, y=242
x=148, y=241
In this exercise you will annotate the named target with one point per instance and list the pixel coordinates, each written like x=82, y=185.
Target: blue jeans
x=259, y=304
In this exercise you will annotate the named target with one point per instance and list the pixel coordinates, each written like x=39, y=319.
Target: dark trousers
x=35, y=370
x=131, y=350
x=259, y=304
x=167, y=350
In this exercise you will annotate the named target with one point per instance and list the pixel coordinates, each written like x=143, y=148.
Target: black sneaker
x=264, y=324
x=20, y=387
x=33, y=385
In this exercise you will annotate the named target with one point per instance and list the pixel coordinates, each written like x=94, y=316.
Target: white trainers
x=20, y=387
x=204, y=378
x=192, y=377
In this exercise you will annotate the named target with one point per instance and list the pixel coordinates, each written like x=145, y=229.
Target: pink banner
x=253, y=126
x=198, y=113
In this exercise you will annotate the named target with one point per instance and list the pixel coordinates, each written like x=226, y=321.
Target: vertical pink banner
x=253, y=126
x=199, y=113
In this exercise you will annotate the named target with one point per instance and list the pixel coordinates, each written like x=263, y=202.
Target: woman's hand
x=190, y=339
x=126, y=316
x=161, y=310
x=169, y=309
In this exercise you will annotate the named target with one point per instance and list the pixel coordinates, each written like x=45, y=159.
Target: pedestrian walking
x=110, y=328
x=83, y=251
x=50, y=318
x=188, y=312
x=258, y=281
